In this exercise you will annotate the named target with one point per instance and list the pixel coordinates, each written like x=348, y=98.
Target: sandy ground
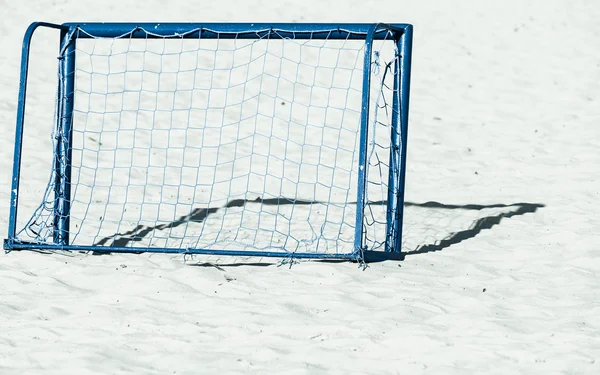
x=504, y=111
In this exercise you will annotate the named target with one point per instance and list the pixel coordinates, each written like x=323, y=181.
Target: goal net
x=249, y=139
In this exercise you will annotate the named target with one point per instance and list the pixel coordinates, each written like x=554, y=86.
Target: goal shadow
x=481, y=217
x=476, y=226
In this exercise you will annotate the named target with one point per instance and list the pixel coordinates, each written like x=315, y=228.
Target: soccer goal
x=284, y=140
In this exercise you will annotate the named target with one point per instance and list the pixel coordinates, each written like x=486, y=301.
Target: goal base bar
x=366, y=256
x=117, y=249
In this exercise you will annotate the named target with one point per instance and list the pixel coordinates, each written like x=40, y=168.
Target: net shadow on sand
x=197, y=215
x=486, y=222
x=438, y=242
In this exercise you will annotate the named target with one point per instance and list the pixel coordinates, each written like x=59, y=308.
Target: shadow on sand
x=198, y=215
x=478, y=225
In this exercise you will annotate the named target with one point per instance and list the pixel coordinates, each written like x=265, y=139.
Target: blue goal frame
x=402, y=36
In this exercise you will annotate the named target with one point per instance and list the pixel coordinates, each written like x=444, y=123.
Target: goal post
x=284, y=140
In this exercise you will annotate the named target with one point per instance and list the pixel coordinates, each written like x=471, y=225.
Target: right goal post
x=284, y=140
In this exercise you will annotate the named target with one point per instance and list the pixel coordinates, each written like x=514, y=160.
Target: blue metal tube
x=14, y=195
x=364, y=130
x=276, y=254
x=394, y=164
x=230, y=30
x=405, y=64
x=64, y=143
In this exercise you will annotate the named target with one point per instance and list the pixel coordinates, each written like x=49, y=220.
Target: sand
x=503, y=279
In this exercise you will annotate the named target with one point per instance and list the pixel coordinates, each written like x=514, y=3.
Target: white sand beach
x=502, y=234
